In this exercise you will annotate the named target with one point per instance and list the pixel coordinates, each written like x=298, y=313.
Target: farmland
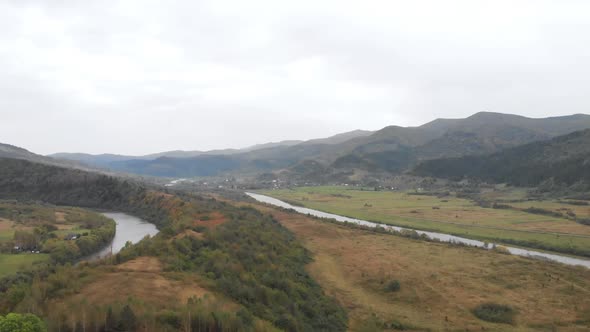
x=448, y=214
x=32, y=233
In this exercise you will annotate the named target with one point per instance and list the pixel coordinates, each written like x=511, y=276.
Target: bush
x=495, y=313
x=544, y=212
x=392, y=286
x=17, y=322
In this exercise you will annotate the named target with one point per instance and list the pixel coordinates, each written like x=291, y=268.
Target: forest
x=560, y=162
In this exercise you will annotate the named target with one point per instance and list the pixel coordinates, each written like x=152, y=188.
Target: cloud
x=144, y=76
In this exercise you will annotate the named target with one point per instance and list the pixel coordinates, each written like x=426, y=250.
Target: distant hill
x=563, y=160
x=339, y=138
x=260, y=157
x=15, y=152
x=393, y=149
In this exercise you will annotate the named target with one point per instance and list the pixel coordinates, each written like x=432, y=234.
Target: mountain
x=393, y=149
x=15, y=152
x=339, y=138
x=106, y=159
x=208, y=163
x=562, y=160
x=269, y=145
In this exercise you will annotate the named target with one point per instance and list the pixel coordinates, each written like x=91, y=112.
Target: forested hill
x=564, y=160
x=242, y=255
x=26, y=180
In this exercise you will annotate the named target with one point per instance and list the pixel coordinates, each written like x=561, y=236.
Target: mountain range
x=391, y=150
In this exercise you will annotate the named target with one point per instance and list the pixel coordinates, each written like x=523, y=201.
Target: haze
x=137, y=77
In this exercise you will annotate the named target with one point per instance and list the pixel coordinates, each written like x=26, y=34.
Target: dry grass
x=214, y=219
x=5, y=225
x=141, y=278
x=60, y=216
x=188, y=232
x=440, y=283
x=141, y=264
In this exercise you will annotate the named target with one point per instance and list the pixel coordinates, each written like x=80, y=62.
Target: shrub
x=501, y=250
x=25, y=322
x=544, y=212
x=501, y=206
x=392, y=286
x=495, y=313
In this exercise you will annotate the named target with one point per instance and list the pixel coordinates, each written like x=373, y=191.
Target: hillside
x=15, y=152
x=564, y=160
x=481, y=133
x=251, y=268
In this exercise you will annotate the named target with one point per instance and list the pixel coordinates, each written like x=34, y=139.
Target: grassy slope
x=10, y=264
x=454, y=215
x=440, y=283
x=143, y=282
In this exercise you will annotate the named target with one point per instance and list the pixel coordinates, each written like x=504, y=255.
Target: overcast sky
x=135, y=77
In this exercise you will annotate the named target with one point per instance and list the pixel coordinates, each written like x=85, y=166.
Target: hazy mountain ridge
x=392, y=149
x=106, y=158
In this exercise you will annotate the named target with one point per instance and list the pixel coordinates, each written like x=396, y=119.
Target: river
x=433, y=235
x=129, y=228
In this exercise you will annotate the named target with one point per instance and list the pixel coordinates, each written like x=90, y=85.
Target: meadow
x=448, y=214
x=10, y=264
x=440, y=284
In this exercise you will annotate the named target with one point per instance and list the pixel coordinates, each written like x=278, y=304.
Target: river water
x=129, y=228
x=433, y=235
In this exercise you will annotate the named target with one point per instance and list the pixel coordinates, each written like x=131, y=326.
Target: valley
x=450, y=215
x=440, y=284
x=204, y=256
x=301, y=166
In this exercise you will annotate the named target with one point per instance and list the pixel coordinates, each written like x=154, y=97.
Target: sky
x=142, y=76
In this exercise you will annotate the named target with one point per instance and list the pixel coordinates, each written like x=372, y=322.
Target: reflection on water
x=439, y=236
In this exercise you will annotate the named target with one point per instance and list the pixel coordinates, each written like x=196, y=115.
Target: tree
x=21, y=323
x=128, y=319
x=110, y=321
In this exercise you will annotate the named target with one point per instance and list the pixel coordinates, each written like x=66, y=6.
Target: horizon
x=135, y=77
x=280, y=141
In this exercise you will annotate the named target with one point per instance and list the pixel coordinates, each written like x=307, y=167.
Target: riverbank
x=128, y=229
x=432, y=235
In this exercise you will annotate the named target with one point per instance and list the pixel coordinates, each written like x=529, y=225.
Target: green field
x=447, y=214
x=12, y=263
x=43, y=227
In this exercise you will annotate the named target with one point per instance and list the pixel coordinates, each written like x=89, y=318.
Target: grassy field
x=17, y=216
x=10, y=264
x=440, y=283
x=31, y=218
x=447, y=214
